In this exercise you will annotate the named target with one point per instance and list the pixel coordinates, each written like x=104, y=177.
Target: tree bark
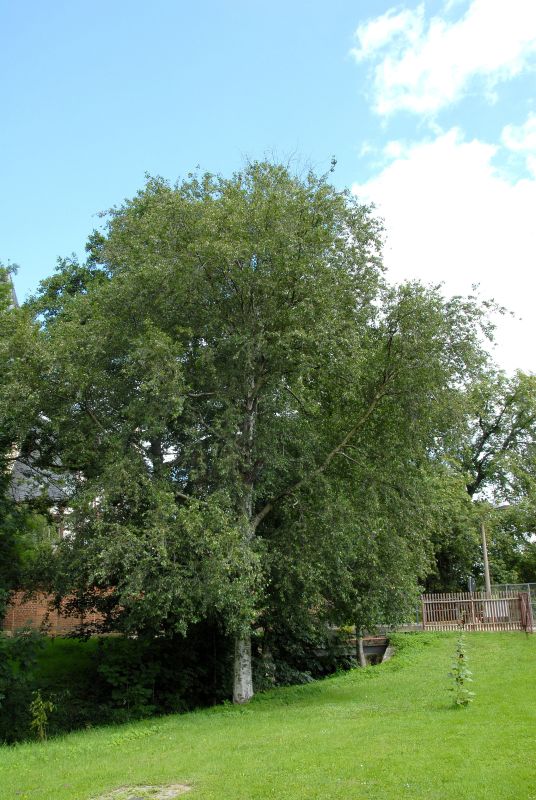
x=360, y=649
x=268, y=661
x=243, y=679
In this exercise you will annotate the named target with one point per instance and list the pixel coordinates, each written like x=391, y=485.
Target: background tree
x=23, y=528
x=497, y=452
x=494, y=453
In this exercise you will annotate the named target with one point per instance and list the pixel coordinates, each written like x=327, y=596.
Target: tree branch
x=297, y=399
x=92, y=416
x=349, y=458
x=328, y=459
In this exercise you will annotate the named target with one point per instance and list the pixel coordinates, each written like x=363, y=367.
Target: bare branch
x=381, y=392
x=349, y=458
x=297, y=399
x=93, y=417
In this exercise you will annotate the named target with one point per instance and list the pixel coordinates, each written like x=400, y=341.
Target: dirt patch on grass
x=146, y=792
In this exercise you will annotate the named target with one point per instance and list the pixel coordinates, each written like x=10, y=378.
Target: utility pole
x=487, y=579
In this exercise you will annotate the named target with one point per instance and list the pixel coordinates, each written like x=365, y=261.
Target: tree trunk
x=268, y=662
x=243, y=680
x=360, y=649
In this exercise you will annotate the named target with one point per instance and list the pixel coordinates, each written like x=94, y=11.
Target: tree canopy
x=251, y=422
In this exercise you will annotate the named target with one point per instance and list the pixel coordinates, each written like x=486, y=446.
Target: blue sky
x=429, y=108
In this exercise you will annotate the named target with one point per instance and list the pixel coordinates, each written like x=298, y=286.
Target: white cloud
x=375, y=34
x=521, y=139
x=393, y=149
x=422, y=66
x=450, y=216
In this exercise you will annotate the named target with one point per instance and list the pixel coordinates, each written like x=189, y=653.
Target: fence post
x=526, y=612
x=423, y=606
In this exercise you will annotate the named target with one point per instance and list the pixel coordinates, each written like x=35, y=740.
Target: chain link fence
x=530, y=588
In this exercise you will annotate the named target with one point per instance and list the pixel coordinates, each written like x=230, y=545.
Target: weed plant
x=461, y=675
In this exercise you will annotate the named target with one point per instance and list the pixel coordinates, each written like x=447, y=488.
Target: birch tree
x=230, y=382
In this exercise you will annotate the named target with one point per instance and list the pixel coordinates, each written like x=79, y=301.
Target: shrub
x=289, y=652
x=18, y=657
x=39, y=712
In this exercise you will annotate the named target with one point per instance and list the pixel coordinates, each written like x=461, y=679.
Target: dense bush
x=18, y=659
x=109, y=679
x=298, y=651
x=113, y=679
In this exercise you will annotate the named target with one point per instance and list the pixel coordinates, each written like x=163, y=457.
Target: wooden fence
x=476, y=611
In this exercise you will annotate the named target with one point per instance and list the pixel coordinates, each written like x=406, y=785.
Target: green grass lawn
x=385, y=732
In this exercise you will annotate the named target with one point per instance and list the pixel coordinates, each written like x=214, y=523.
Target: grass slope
x=380, y=733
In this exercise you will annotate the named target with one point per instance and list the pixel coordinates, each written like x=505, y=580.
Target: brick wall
x=36, y=613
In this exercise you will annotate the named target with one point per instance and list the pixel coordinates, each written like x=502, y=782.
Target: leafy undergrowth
x=380, y=733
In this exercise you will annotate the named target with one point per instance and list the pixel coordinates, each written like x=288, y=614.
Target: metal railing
x=529, y=588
